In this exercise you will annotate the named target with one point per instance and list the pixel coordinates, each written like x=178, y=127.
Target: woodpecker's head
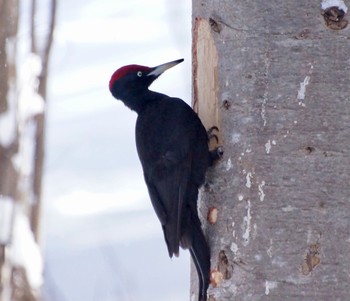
x=133, y=80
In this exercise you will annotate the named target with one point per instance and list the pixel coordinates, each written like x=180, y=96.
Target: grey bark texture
x=21, y=189
x=281, y=192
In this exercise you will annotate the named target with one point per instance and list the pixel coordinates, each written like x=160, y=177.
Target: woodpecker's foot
x=211, y=135
x=216, y=154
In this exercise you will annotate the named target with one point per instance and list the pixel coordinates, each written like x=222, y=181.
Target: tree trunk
x=277, y=74
x=22, y=120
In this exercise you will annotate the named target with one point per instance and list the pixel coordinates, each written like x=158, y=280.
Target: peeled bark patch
x=205, y=76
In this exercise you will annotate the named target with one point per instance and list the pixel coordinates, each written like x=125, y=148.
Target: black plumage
x=172, y=145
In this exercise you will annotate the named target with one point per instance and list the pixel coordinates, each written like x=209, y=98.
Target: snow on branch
x=25, y=252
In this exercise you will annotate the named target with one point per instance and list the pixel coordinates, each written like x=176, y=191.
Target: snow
x=334, y=3
x=263, y=109
x=249, y=176
x=268, y=146
x=30, y=102
x=25, y=252
x=289, y=208
x=23, y=104
x=269, y=251
x=302, y=90
x=261, y=191
x=229, y=164
x=26, y=156
x=247, y=225
x=234, y=248
x=236, y=137
x=270, y=285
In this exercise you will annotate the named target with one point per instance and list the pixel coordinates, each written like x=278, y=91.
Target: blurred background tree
x=23, y=80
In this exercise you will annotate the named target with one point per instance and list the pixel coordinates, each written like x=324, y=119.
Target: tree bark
x=281, y=195
x=9, y=137
x=20, y=187
x=8, y=147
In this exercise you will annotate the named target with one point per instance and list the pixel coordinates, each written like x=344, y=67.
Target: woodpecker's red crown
x=121, y=72
x=138, y=70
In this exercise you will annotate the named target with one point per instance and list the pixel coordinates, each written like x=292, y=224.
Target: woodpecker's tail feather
x=174, y=197
x=201, y=257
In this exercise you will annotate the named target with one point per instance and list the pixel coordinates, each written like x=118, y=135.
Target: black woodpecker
x=172, y=145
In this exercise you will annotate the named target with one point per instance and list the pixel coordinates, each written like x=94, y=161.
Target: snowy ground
x=102, y=239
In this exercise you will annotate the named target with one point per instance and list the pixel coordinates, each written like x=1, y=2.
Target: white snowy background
x=102, y=241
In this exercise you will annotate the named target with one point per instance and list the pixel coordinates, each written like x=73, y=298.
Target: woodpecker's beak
x=156, y=71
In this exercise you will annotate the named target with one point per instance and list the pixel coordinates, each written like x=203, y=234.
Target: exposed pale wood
x=205, y=77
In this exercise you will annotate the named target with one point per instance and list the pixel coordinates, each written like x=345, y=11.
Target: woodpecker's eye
x=139, y=73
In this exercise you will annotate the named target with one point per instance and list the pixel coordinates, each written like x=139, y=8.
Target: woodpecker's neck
x=137, y=100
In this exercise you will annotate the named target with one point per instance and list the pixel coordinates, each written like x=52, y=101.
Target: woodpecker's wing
x=167, y=185
x=172, y=146
x=166, y=138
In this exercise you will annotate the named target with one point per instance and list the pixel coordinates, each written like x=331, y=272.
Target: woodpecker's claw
x=216, y=154
x=211, y=135
x=210, y=130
